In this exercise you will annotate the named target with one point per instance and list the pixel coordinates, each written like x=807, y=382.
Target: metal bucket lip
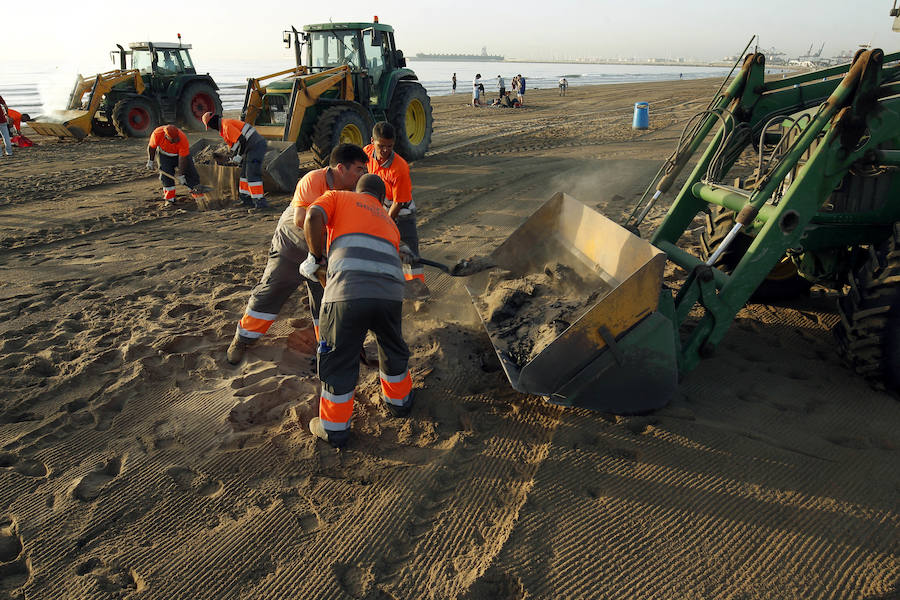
x=645, y=280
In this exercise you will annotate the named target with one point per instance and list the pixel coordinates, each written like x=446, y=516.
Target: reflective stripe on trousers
x=244, y=187
x=335, y=410
x=255, y=189
x=168, y=193
x=396, y=388
x=255, y=324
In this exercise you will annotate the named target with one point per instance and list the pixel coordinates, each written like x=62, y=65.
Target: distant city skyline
x=531, y=30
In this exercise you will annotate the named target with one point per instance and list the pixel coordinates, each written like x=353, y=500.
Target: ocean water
x=36, y=87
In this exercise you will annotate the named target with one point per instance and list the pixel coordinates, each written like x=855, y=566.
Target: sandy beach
x=137, y=463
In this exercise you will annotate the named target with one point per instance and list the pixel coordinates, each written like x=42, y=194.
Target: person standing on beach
x=363, y=292
x=288, y=250
x=398, y=200
x=563, y=86
x=4, y=127
x=174, y=151
x=476, y=90
x=501, y=85
x=453, y=81
x=520, y=91
x=247, y=146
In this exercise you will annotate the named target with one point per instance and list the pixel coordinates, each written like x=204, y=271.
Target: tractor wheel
x=197, y=98
x=338, y=125
x=103, y=128
x=410, y=114
x=135, y=117
x=782, y=283
x=868, y=333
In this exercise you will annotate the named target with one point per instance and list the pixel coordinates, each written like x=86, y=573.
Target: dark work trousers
x=170, y=164
x=280, y=279
x=409, y=235
x=251, y=170
x=344, y=326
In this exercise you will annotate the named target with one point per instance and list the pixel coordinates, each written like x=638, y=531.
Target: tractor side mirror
x=286, y=36
x=377, y=36
x=401, y=61
x=896, y=24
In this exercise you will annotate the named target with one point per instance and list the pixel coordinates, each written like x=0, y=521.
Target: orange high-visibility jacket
x=159, y=141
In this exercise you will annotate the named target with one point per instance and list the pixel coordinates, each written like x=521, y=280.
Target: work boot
x=401, y=411
x=236, y=349
x=261, y=203
x=337, y=439
x=246, y=201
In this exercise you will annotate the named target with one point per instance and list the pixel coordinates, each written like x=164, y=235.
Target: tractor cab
x=162, y=59
x=367, y=48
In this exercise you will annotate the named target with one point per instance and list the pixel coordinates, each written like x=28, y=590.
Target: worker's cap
x=172, y=133
x=206, y=118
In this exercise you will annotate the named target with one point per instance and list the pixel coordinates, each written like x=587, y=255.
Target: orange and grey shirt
x=239, y=135
x=159, y=141
x=397, y=183
x=363, y=242
x=288, y=240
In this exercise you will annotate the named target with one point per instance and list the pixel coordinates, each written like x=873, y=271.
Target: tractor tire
x=103, y=128
x=198, y=98
x=135, y=117
x=868, y=333
x=338, y=125
x=410, y=114
x=783, y=283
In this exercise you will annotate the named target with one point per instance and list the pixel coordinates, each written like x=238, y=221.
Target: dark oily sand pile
x=527, y=313
x=212, y=154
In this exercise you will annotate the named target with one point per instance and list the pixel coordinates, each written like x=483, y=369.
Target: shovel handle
x=435, y=264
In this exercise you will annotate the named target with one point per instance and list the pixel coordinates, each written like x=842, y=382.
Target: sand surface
x=136, y=463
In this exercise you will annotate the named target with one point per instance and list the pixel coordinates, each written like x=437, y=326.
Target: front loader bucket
x=281, y=167
x=68, y=123
x=617, y=352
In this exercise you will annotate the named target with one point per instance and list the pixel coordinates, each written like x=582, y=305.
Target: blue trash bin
x=641, y=116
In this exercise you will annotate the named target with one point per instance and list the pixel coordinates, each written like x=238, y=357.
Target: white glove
x=182, y=180
x=406, y=255
x=236, y=159
x=151, y=165
x=309, y=267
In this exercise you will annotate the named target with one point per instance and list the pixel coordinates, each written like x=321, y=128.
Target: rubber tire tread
x=868, y=333
x=187, y=118
x=120, y=116
x=326, y=132
x=403, y=94
x=718, y=223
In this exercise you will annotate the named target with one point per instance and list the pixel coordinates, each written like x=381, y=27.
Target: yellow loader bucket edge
x=619, y=354
x=69, y=123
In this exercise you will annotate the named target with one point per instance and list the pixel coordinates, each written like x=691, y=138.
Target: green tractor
x=352, y=75
x=161, y=86
x=175, y=92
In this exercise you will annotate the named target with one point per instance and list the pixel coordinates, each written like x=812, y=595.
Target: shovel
x=463, y=268
x=200, y=193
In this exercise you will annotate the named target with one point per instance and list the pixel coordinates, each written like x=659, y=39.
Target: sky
x=78, y=32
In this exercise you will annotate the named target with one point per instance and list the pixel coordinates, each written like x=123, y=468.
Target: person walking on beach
x=520, y=91
x=4, y=127
x=476, y=90
x=398, y=200
x=563, y=86
x=363, y=292
x=248, y=149
x=288, y=250
x=501, y=85
x=453, y=82
x=171, y=144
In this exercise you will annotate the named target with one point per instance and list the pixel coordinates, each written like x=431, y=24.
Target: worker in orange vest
x=363, y=292
x=172, y=147
x=394, y=171
x=288, y=250
x=248, y=149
